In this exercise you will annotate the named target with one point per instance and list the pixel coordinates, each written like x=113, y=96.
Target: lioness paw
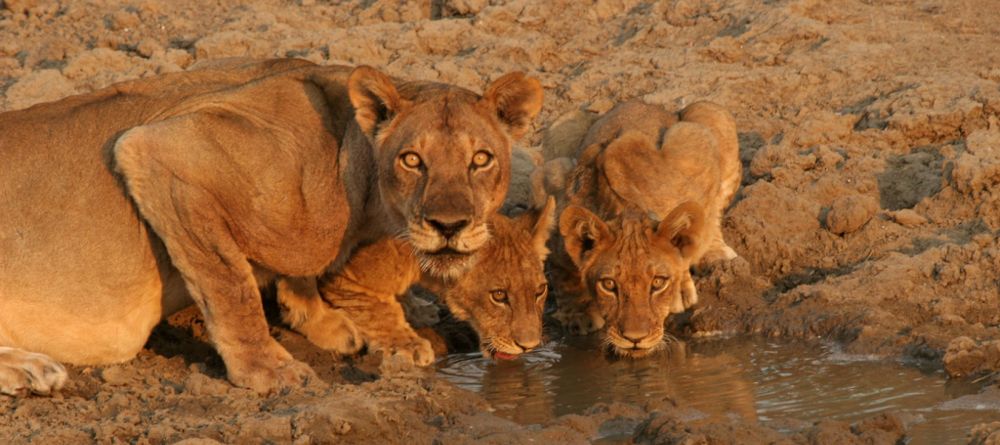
x=270, y=371
x=331, y=329
x=416, y=351
x=23, y=373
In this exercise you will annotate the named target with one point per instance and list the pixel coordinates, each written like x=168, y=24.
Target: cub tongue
x=504, y=356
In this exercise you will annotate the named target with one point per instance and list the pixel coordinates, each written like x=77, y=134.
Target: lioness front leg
x=304, y=310
x=23, y=372
x=195, y=226
x=382, y=323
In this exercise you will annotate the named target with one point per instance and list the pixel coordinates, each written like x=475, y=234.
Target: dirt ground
x=869, y=212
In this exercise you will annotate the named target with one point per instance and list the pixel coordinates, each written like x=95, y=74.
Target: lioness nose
x=527, y=345
x=447, y=229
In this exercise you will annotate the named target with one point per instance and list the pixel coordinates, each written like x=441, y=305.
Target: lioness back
x=58, y=195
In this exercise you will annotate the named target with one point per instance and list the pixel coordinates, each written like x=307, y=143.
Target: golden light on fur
x=639, y=163
x=198, y=185
x=502, y=294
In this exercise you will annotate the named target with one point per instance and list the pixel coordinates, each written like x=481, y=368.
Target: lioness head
x=634, y=268
x=503, y=294
x=443, y=156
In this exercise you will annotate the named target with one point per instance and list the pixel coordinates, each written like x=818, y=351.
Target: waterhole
x=784, y=384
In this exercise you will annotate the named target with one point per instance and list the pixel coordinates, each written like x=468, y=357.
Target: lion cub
x=502, y=293
x=645, y=202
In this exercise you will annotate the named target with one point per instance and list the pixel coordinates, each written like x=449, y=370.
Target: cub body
x=642, y=205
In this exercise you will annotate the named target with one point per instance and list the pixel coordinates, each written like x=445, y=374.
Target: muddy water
x=786, y=385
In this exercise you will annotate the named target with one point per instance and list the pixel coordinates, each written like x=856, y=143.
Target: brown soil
x=869, y=213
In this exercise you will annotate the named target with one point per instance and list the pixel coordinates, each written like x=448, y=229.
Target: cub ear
x=684, y=228
x=374, y=97
x=540, y=222
x=516, y=99
x=582, y=232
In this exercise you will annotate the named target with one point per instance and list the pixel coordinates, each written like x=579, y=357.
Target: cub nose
x=446, y=228
x=633, y=336
x=527, y=345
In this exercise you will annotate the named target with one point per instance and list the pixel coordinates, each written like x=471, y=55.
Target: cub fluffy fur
x=643, y=204
x=502, y=294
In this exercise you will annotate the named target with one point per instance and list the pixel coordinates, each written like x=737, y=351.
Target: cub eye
x=608, y=285
x=498, y=296
x=410, y=160
x=542, y=290
x=659, y=283
x=481, y=159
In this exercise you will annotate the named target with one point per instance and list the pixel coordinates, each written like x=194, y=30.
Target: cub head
x=443, y=156
x=503, y=294
x=634, y=268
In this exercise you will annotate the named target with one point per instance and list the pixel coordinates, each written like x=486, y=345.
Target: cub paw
x=269, y=371
x=415, y=351
x=688, y=296
x=719, y=252
x=331, y=329
x=23, y=373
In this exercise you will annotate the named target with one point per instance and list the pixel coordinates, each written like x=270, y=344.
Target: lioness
x=502, y=294
x=218, y=179
x=638, y=164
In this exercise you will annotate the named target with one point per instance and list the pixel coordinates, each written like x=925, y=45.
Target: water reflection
x=777, y=383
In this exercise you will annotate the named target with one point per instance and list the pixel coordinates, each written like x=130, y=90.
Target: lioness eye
x=659, y=283
x=481, y=159
x=410, y=160
x=499, y=296
x=608, y=285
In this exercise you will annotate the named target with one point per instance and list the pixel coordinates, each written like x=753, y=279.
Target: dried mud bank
x=869, y=212
x=176, y=391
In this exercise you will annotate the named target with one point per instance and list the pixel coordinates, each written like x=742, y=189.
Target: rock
x=148, y=47
x=122, y=21
x=198, y=441
x=850, y=213
x=177, y=57
x=266, y=429
x=464, y=7
x=601, y=106
x=202, y=385
x=964, y=357
x=116, y=375
x=18, y=6
x=37, y=87
x=985, y=434
x=908, y=217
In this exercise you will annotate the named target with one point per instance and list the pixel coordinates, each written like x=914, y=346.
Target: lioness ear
x=516, y=99
x=540, y=223
x=582, y=231
x=683, y=228
x=374, y=97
